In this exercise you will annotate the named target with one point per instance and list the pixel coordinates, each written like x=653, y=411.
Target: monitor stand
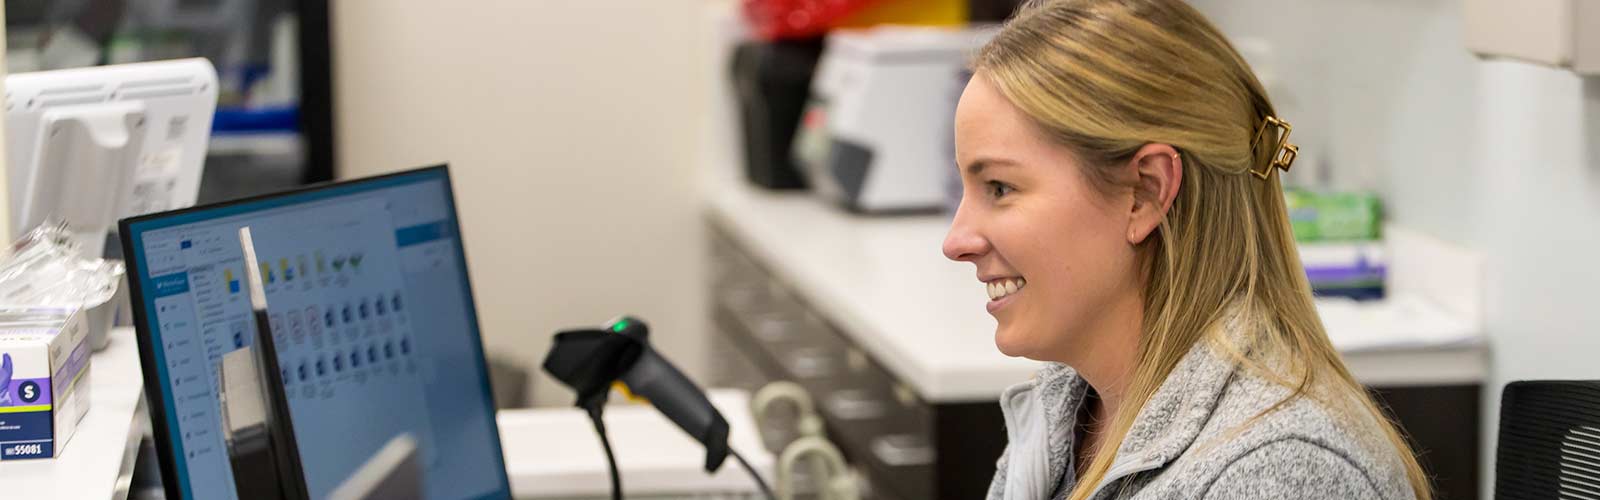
x=395, y=472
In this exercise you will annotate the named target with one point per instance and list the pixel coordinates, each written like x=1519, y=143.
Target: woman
x=1119, y=202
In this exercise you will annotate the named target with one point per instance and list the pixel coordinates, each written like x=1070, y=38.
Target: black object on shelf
x=1549, y=440
x=991, y=11
x=773, y=82
x=316, y=89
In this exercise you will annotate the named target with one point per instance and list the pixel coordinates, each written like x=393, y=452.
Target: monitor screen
x=372, y=318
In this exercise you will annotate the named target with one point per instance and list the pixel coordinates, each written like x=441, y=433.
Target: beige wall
x=571, y=128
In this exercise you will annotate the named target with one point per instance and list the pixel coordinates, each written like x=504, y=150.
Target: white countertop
x=884, y=281
x=98, y=460
x=554, y=452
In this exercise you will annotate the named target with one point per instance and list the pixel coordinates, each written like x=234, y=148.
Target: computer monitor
x=373, y=323
x=88, y=146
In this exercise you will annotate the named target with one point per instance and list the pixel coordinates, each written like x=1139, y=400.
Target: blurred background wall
x=584, y=116
x=1499, y=156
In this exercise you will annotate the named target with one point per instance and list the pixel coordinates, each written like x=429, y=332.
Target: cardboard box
x=44, y=371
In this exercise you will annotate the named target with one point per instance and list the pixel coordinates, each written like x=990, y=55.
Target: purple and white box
x=44, y=372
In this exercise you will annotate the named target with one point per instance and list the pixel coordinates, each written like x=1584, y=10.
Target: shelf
x=97, y=461
x=883, y=281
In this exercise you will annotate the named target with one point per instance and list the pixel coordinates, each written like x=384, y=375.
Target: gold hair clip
x=1283, y=153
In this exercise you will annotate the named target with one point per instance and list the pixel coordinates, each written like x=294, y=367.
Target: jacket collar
x=1165, y=427
x=1041, y=417
x=1174, y=416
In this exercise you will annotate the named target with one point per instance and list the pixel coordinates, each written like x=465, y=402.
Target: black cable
x=605, y=442
x=616, y=478
x=752, y=470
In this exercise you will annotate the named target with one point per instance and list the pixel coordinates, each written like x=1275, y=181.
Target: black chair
x=1549, y=441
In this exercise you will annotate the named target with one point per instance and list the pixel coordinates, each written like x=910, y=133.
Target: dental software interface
x=371, y=315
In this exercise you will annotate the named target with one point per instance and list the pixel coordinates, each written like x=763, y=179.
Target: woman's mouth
x=1002, y=290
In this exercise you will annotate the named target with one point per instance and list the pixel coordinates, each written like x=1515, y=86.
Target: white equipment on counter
x=91, y=145
x=554, y=453
x=877, y=134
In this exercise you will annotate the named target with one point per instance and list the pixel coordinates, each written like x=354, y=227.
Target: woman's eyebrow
x=976, y=166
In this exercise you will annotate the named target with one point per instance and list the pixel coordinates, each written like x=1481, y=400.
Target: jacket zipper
x=1117, y=473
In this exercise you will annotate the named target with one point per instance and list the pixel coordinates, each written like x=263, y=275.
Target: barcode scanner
x=590, y=360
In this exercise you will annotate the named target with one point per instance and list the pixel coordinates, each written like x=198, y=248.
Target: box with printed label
x=44, y=371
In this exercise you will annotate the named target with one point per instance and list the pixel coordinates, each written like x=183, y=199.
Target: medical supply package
x=44, y=376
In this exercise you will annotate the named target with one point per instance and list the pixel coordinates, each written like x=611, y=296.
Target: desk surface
x=655, y=456
x=98, y=461
x=884, y=282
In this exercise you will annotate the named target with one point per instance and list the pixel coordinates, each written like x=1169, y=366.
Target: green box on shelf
x=1333, y=216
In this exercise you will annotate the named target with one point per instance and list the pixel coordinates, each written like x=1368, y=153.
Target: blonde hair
x=1106, y=77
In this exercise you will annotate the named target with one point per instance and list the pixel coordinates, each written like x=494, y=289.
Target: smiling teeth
x=998, y=289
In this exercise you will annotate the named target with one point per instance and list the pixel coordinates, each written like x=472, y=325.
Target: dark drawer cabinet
x=907, y=448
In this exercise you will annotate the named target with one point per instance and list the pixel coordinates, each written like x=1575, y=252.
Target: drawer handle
x=771, y=329
x=902, y=450
x=812, y=363
x=855, y=404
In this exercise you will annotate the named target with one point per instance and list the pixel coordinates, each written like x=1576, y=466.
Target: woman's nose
x=963, y=243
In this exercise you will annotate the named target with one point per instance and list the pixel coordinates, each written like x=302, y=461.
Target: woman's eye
x=999, y=189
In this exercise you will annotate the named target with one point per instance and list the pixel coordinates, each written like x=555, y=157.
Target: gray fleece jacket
x=1190, y=441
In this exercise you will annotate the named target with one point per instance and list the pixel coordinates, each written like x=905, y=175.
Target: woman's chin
x=1011, y=343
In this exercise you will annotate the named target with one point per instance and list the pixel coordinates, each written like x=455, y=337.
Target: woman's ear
x=1160, y=171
